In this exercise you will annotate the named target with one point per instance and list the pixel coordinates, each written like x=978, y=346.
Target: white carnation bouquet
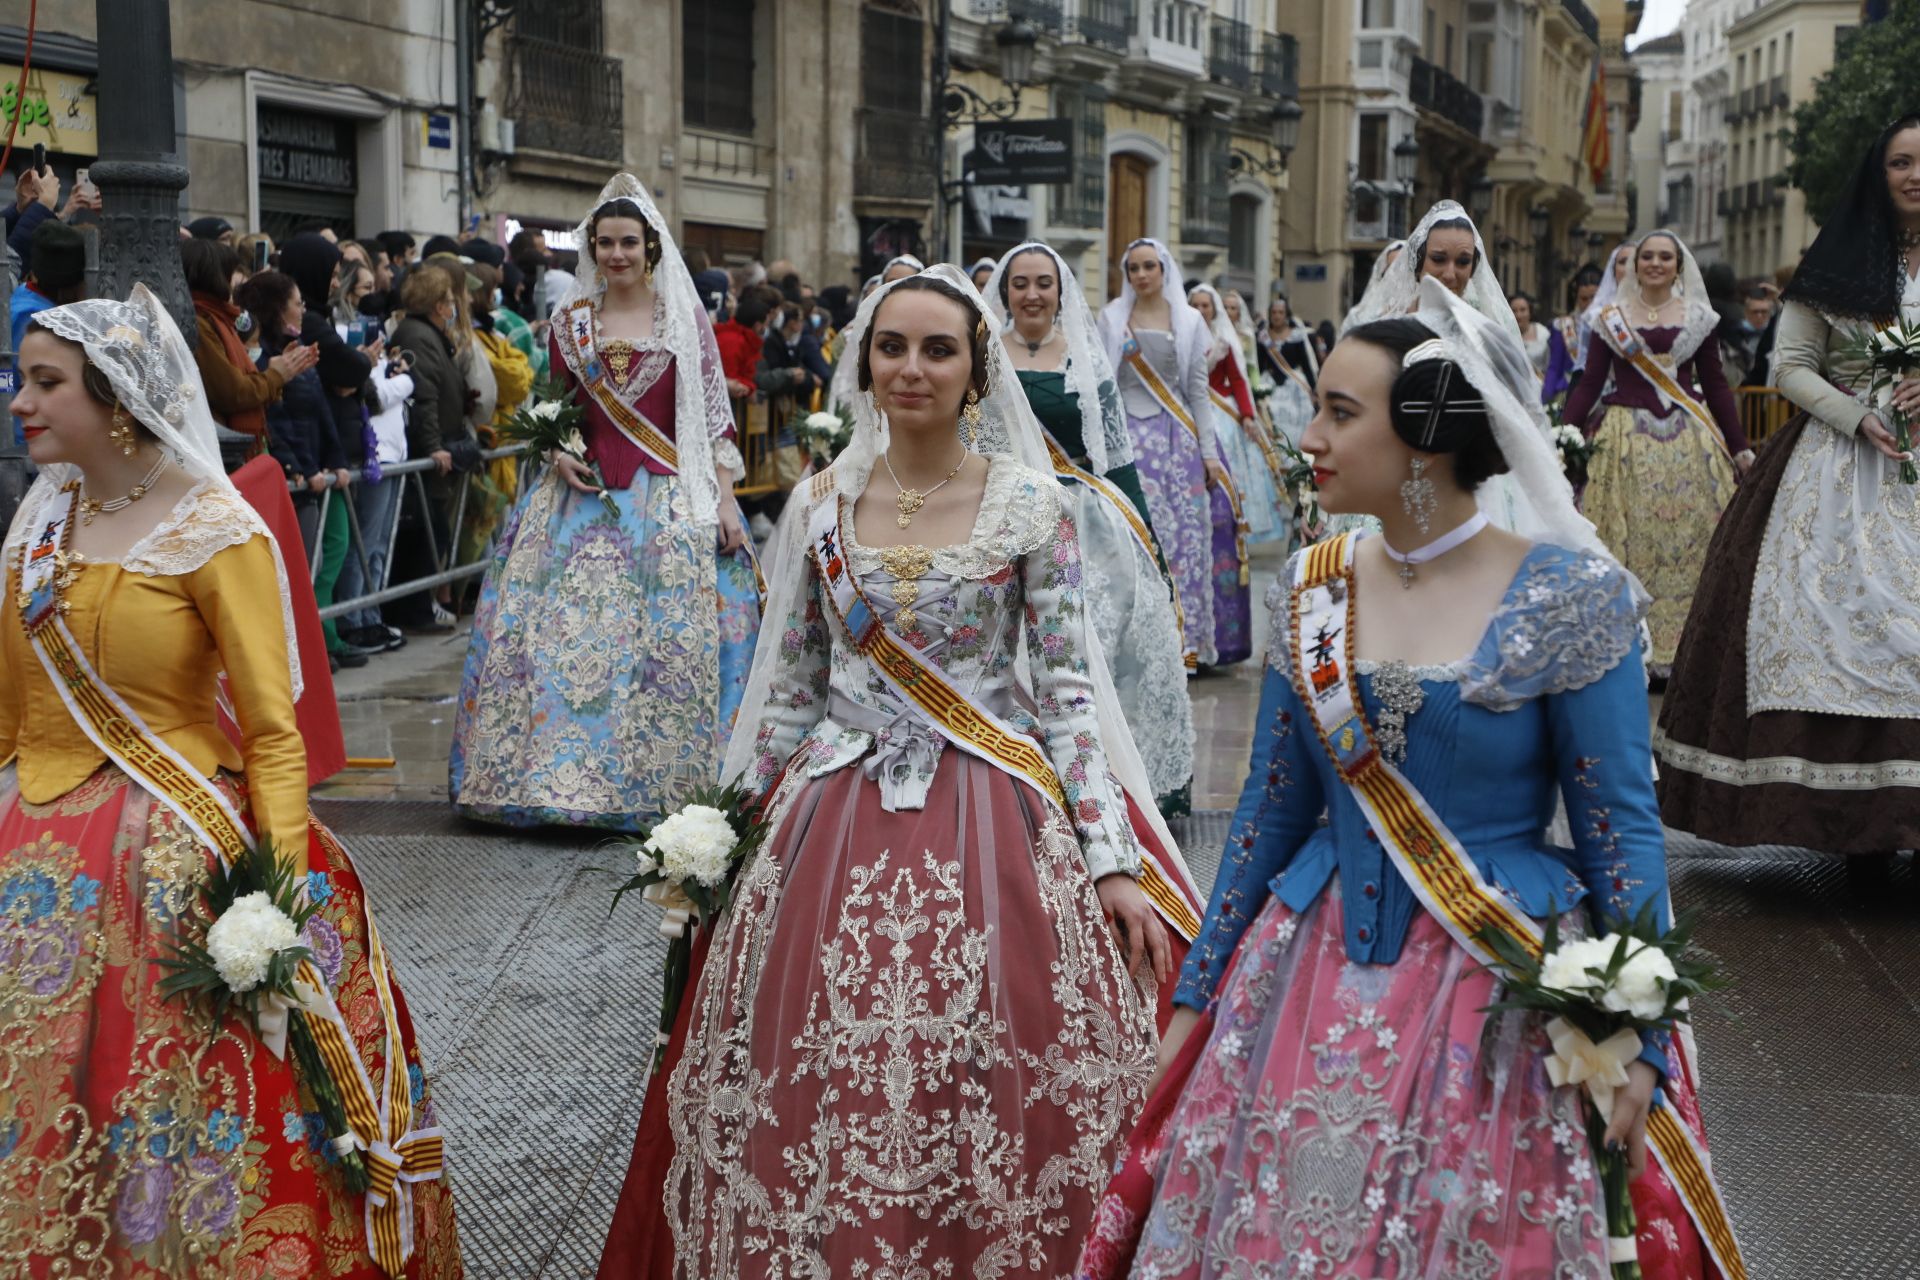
x=241, y=952
x=1892, y=355
x=686, y=864
x=825, y=435
x=548, y=421
x=1576, y=451
x=1601, y=994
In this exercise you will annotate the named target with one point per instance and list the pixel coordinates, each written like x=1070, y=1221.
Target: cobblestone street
x=537, y=1009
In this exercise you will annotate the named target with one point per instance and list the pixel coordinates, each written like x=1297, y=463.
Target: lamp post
x=138, y=172
x=1540, y=222
x=956, y=104
x=1480, y=199
x=1406, y=169
x=1285, y=124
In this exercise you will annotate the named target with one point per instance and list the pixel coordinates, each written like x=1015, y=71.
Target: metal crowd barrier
x=412, y=475
x=1763, y=411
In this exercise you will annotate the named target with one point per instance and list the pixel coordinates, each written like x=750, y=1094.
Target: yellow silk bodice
x=160, y=642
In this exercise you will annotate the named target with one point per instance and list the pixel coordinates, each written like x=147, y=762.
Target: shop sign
x=1021, y=152
x=57, y=110
x=298, y=149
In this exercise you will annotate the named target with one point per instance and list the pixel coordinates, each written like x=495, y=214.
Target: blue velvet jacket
x=1552, y=703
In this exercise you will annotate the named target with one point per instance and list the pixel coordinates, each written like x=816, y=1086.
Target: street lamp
x=960, y=104
x=1406, y=162
x=1016, y=42
x=1285, y=123
x=1594, y=241
x=1480, y=199
x=1540, y=222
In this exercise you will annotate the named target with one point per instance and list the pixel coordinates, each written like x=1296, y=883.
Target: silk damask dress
x=137, y=1139
x=1351, y=1108
x=609, y=653
x=1128, y=598
x=1660, y=478
x=915, y=1048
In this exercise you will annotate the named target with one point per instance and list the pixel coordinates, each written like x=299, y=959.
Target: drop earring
x=121, y=432
x=971, y=416
x=1417, y=496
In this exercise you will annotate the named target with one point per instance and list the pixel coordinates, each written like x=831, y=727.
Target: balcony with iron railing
x=565, y=99
x=1724, y=204
x=724, y=155
x=1279, y=66
x=1230, y=53
x=1447, y=96
x=894, y=155
x=1777, y=189
x=1173, y=34
x=1049, y=16
x=1107, y=24
x=1755, y=193
x=1777, y=96
x=1583, y=18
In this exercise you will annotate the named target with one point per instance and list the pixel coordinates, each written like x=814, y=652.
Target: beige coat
x=1808, y=358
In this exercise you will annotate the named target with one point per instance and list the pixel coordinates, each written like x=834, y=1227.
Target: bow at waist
x=906, y=751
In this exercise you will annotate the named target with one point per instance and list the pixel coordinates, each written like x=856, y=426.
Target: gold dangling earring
x=121, y=432
x=971, y=416
x=646, y=271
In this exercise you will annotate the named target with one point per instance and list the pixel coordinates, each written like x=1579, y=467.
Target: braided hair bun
x=1434, y=408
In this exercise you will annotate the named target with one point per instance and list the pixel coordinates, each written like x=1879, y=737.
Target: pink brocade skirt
x=1351, y=1120
x=914, y=1049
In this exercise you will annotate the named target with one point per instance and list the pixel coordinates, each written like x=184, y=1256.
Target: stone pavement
x=536, y=1010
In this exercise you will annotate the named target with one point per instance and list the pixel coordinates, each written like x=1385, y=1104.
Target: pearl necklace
x=1433, y=550
x=90, y=507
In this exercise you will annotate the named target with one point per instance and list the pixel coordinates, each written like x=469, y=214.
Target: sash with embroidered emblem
x=1626, y=342
x=380, y=1122
x=1321, y=611
x=923, y=687
x=578, y=346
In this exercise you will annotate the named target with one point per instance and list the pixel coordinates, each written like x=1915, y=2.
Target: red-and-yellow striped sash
x=1628, y=344
x=1155, y=387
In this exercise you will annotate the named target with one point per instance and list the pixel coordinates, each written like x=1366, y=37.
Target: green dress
x=1059, y=412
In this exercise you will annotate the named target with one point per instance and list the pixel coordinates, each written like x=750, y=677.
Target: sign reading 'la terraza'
x=300, y=150
x=1021, y=152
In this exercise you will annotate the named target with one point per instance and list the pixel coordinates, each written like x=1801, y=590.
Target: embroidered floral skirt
x=1655, y=490
x=914, y=1051
x=1173, y=475
x=1133, y=614
x=1342, y=1119
x=1232, y=598
x=607, y=660
x=1252, y=475
x=135, y=1141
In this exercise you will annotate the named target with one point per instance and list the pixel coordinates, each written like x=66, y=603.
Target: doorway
x=1128, y=179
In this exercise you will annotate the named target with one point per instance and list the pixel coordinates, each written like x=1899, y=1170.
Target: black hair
x=1520, y=295
x=92, y=377
x=625, y=207
x=395, y=242
x=1059, y=274
x=209, y=267
x=977, y=336
x=1433, y=407
x=1855, y=268
x=756, y=304
x=1446, y=224
x=1587, y=275
x=264, y=295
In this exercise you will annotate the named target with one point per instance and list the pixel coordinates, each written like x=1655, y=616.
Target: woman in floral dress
x=138, y=1137
x=917, y=1042
x=609, y=651
x=1338, y=1099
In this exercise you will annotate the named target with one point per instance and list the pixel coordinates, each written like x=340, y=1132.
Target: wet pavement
x=536, y=1010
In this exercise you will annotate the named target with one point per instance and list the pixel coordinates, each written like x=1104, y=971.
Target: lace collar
x=1017, y=515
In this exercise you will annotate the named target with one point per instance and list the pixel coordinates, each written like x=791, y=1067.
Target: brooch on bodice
x=907, y=565
x=1400, y=696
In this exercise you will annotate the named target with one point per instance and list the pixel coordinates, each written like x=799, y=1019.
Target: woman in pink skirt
x=927, y=1021
x=1338, y=1101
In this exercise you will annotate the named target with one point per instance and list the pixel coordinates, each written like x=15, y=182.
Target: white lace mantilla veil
x=700, y=401
x=1007, y=427
x=1701, y=319
x=1222, y=333
x=1086, y=364
x=1394, y=292
x=1191, y=337
x=1496, y=364
x=152, y=370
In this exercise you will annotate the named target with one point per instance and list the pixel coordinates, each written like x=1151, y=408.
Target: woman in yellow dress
x=137, y=1137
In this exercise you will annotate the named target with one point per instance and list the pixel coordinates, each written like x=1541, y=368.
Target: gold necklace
x=909, y=501
x=91, y=507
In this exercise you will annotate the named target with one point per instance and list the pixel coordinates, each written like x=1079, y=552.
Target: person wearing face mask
x=1654, y=399
x=618, y=614
x=1791, y=713
x=1055, y=350
x=1157, y=344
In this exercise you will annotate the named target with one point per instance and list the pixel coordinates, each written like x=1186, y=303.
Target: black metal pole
x=139, y=173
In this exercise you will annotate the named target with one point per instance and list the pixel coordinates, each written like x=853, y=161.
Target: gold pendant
x=909, y=501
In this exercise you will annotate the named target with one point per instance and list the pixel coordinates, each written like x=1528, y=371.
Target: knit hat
x=58, y=256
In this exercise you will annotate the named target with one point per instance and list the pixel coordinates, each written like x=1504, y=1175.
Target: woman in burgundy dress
x=1669, y=436
x=610, y=651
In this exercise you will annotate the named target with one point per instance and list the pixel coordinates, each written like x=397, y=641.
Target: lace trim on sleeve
x=1568, y=620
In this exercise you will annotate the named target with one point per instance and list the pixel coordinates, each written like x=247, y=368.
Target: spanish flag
x=1596, y=146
